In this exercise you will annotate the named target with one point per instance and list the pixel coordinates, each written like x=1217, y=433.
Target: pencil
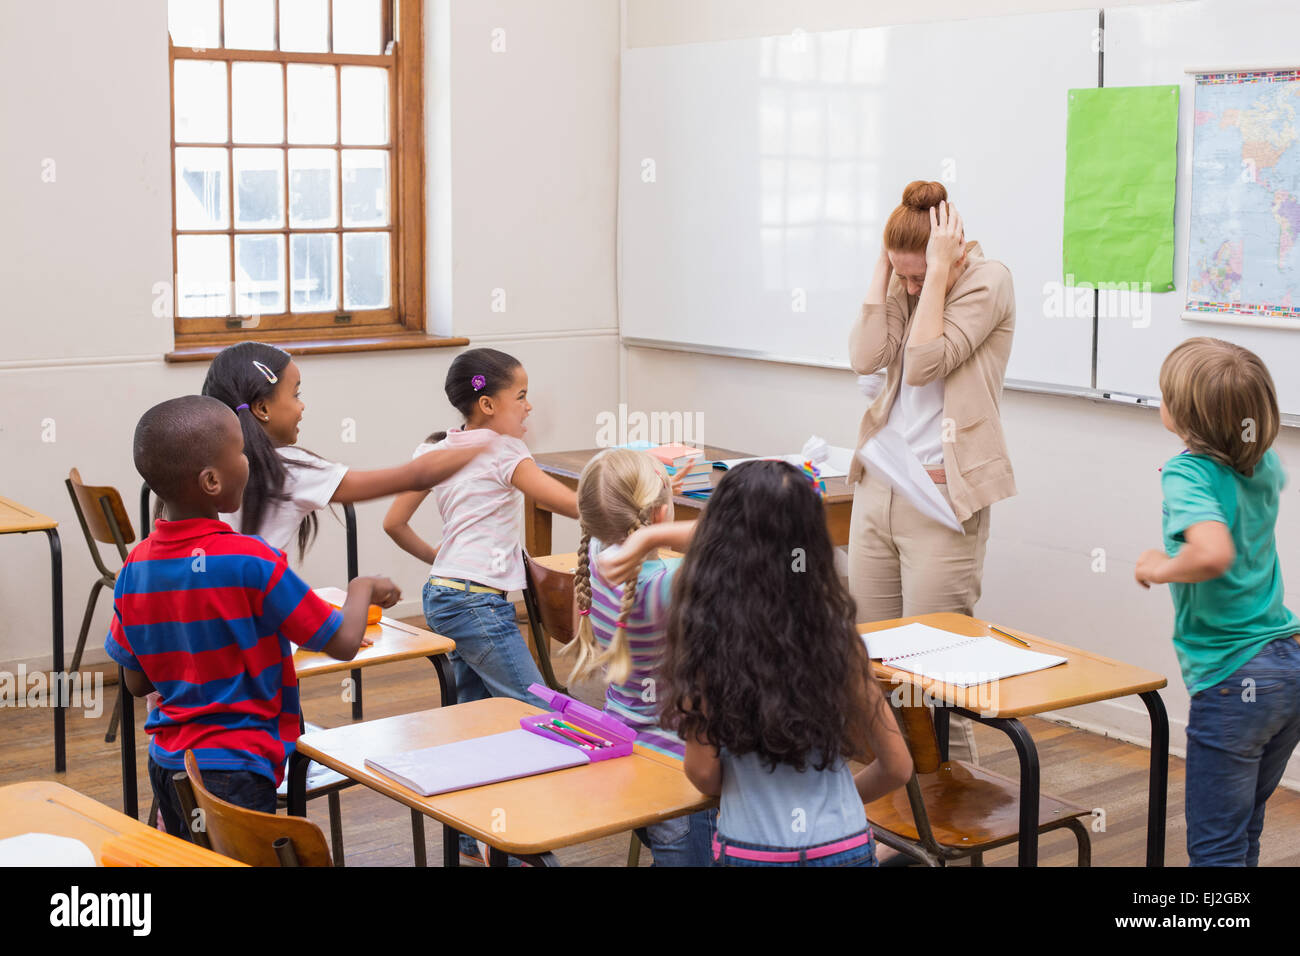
x=1012, y=636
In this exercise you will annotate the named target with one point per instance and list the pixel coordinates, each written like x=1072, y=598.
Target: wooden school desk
x=526, y=818
x=566, y=467
x=115, y=839
x=393, y=642
x=1083, y=679
x=17, y=519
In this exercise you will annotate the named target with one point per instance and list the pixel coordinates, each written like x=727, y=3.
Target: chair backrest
x=87, y=501
x=556, y=604
x=917, y=723
x=258, y=839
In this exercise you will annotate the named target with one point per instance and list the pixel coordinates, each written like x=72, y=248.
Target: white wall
x=522, y=156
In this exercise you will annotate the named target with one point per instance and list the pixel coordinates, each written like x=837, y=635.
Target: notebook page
x=981, y=661
x=908, y=639
x=476, y=762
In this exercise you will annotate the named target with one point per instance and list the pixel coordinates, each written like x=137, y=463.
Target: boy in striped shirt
x=206, y=617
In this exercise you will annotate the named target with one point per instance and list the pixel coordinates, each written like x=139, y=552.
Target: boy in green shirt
x=1237, y=643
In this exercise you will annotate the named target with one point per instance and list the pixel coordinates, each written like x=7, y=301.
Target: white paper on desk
x=835, y=466
x=887, y=455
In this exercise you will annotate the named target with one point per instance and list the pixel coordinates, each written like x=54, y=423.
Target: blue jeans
x=682, y=841
x=243, y=788
x=490, y=659
x=864, y=855
x=1240, y=734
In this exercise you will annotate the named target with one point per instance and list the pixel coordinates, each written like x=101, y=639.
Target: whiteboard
x=1155, y=45
x=756, y=176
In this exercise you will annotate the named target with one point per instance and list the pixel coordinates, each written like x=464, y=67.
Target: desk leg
x=355, y=674
x=446, y=679
x=1158, y=795
x=296, y=804
x=497, y=857
x=942, y=731
x=126, y=739
x=1029, y=781
x=537, y=528
x=450, y=846
x=417, y=838
x=59, y=686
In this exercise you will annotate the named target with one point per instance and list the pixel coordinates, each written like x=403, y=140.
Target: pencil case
x=585, y=718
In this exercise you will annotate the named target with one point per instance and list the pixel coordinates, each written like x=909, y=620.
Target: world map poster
x=1243, y=254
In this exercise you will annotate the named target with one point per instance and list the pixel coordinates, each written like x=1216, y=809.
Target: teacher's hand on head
x=947, y=237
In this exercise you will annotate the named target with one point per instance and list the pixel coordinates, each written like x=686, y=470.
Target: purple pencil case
x=575, y=712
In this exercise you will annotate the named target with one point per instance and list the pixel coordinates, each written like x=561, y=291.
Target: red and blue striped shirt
x=209, y=616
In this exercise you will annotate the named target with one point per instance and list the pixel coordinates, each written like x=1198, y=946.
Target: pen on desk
x=1012, y=636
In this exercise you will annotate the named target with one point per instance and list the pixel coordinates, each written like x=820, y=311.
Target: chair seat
x=320, y=781
x=969, y=807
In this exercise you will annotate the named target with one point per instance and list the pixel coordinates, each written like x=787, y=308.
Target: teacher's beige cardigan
x=979, y=318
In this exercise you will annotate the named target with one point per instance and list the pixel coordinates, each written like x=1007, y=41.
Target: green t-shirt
x=1221, y=624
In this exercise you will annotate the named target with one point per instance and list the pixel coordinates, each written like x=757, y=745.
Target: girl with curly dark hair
x=768, y=681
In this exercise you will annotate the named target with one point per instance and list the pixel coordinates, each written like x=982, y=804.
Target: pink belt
x=793, y=856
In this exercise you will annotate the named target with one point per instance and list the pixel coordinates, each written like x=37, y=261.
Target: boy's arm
x=137, y=683
x=1207, y=553
x=362, y=592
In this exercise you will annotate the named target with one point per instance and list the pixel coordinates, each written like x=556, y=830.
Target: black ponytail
x=473, y=374
x=240, y=375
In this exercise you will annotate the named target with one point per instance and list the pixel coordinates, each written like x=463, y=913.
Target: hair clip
x=270, y=376
x=478, y=381
x=814, y=476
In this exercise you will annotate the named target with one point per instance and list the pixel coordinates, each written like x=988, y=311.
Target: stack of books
x=678, y=458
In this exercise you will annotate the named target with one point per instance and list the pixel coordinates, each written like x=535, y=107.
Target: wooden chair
x=103, y=520
x=953, y=810
x=258, y=839
x=552, y=613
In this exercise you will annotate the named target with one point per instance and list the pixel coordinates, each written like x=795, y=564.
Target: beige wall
x=522, y=198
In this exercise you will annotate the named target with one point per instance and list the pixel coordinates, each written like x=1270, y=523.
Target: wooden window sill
x=324, y=346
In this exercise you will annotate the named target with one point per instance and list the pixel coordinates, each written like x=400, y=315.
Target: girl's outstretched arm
x=418, y=474
x=545, y=490
x=892, y=765
x=398, y=527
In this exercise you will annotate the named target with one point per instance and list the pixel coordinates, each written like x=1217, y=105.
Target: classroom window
x=297, y=156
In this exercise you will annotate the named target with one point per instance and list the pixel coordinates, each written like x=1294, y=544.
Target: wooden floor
x=1085, y=768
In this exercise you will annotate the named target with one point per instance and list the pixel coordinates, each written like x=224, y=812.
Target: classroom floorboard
x=1082, y=767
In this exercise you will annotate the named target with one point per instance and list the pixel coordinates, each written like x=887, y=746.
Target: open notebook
x=956, y=659
x=476, y=762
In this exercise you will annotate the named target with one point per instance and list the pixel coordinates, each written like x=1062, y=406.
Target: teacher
x=939, y=319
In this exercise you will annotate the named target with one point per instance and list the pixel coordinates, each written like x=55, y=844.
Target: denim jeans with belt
x=1240, y=734
x=864, y=855
x=490, y=659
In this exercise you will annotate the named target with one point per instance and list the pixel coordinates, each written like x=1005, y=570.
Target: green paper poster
x=1121, y=158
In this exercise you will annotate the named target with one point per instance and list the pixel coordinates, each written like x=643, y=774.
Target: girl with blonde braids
x=625, y=510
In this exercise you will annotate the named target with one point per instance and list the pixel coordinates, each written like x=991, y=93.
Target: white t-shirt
x=481, y=512
x=309, y=489
x=917, y=415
